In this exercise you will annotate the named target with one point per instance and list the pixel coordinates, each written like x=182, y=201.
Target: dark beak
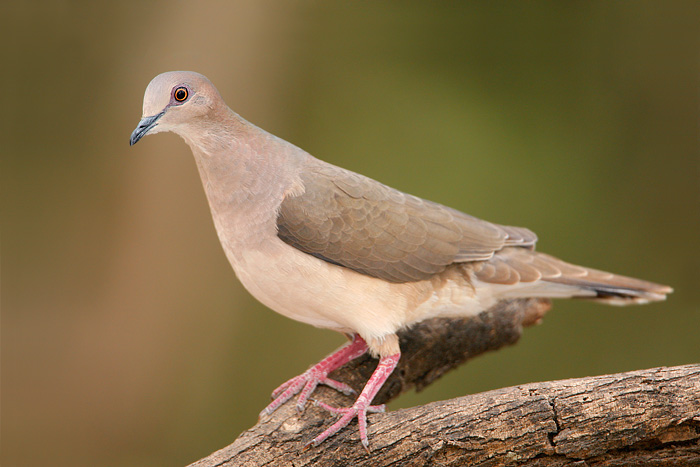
x=145, y=124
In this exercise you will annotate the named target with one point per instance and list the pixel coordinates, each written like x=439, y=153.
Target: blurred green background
x=126, y=338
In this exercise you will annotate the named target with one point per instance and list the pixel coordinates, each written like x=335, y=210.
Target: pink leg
x=317, y=374
x=362, y=405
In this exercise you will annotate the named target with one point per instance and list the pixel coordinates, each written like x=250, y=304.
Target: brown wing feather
x=356, y=222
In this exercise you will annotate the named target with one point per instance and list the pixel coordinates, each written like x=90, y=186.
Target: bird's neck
x=246, y=173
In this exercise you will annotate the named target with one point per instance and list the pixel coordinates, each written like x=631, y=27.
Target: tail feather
x=615, y=289
x=530, y=273
x=616, y=295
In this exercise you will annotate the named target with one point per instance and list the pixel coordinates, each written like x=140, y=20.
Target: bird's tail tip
x=646, y=292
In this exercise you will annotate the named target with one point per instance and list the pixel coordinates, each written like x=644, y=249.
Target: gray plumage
x=273, y=201
x=335, y=249
x=356, y=222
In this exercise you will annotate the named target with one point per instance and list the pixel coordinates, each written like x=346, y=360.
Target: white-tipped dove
x=335, y=249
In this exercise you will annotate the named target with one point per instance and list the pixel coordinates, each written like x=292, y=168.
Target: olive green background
x=126, y=338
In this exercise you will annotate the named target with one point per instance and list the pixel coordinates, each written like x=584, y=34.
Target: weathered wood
x=647, y=417
x=433, y=347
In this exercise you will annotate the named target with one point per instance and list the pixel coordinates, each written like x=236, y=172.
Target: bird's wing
x=356, y=222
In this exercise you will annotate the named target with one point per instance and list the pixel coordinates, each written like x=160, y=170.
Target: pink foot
x=362, y=405
x=306, y=382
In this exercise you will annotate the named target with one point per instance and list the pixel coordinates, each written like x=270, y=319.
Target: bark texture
x=647, y=417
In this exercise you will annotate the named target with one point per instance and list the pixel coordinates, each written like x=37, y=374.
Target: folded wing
x=356, y=222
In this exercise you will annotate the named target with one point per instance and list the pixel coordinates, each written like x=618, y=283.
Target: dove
x=337, y=250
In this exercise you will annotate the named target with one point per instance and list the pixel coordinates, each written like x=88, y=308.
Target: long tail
x=527, y=273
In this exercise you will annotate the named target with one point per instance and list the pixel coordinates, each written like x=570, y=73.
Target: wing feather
x=353, y=221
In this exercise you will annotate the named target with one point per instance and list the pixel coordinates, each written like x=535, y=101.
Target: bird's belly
x=448, y=294
x=307, y=289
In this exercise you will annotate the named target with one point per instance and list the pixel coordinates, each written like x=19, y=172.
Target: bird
x=338, y=250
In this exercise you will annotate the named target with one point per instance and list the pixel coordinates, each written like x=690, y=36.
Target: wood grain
x=647, y=417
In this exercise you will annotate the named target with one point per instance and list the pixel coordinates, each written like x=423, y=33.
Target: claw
x=306, y=383
x=283, y=387
x=361, y=406
x=338, y=386
x=360, y=410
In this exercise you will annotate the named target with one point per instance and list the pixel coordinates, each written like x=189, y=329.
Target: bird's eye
x=181, y=94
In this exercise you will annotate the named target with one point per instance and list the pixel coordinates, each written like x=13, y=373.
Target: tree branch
x=648, y=417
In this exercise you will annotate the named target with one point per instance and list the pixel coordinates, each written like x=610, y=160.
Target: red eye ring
x=181, y=94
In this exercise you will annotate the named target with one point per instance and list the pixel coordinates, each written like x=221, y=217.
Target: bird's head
x=174, y=100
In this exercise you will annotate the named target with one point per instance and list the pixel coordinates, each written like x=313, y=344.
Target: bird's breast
x=307, y=289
